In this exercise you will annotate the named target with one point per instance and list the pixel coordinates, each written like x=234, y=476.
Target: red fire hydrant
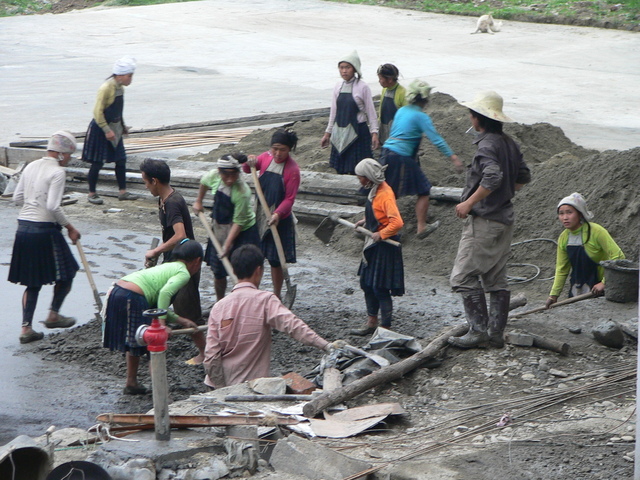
x=154, y=337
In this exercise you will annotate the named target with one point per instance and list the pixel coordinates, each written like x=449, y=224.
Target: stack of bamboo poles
x=184, y=140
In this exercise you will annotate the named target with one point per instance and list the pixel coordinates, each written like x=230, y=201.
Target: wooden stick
x=268, y=398
x=384, y=375
x=218, y=247
x=87, y=269
x=177, y=421
x=578, y=298
x=346, y=223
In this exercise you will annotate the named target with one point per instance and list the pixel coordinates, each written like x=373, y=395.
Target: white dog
x=487, y=25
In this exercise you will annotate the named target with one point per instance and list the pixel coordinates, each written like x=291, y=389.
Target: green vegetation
x=622, y=14
x=22, y=7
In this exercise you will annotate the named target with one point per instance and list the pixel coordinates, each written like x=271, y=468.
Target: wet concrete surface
x=36, y=394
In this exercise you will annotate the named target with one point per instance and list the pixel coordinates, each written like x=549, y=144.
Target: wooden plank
x=177, y=421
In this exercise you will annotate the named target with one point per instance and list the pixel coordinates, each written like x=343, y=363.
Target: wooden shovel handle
x=87, y=270
x=218, y=247
x=267, y=214
x=584, y=296
x=365, y=231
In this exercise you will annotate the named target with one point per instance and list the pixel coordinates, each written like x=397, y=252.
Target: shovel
x=290, y=296
x=328, y=225
x=85, y=264
x=218, y=247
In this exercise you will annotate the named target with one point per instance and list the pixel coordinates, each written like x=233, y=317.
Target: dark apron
x=584, y=271
x=345, y=130
x=388, y=111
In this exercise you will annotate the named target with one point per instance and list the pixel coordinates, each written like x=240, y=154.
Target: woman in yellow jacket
x=581, y=247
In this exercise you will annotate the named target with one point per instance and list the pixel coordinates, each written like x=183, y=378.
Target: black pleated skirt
x=404, y=175
x=384, y=268
x=346, y=162
x=250, y=235
x=122, y=319
x=287, y=232
x=97, y=149
x=41, y=255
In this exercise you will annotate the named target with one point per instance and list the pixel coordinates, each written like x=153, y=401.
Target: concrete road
x=211, y=60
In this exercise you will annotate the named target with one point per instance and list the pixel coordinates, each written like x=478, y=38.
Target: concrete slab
x=208, y=60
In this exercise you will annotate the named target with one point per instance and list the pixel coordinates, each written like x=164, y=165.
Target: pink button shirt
x=239, y=335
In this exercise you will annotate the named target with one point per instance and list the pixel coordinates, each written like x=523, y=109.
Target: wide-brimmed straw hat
x=488, y=104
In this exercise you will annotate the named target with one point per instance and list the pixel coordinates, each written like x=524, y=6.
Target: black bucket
x=621, y=280
x=78, y=470
x=23, y=459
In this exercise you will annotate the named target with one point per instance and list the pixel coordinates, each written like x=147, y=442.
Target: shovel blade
x=325, y=230
x=290, y=296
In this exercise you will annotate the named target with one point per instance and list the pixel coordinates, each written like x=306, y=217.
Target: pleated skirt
x=123, y=317
x=287, y=233
x=250, y=235
x=41, y=255
x=404, y=175
x=97, y=149
x=384, y=268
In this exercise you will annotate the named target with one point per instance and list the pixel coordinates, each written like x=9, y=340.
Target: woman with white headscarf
x=381, y=270
x=582, y=245
x=400, y=153
x=352, y=106
x=103, y=142
x=41, y=255
x=233, y=218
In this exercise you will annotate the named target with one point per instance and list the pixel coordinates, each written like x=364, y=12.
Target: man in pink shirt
x=239, y=335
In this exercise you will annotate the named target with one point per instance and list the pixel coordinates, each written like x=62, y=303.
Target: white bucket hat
x=488, y=104
x=578, y=202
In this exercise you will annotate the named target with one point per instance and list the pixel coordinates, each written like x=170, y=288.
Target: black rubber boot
x=498, y=314
x=475, y=307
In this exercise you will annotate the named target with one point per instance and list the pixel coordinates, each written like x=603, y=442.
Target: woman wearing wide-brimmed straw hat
x=352, y=106
x=400, y=153
x=41, y=255
x=234, y=220
x=381, y=269
x=103, y=142
x=496, y=172
x=582, y=245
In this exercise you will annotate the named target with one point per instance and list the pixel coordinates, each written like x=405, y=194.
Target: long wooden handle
x=365, y=231
x=584, y=296
x=267, y=214
x=218, y=247
x=87, y=269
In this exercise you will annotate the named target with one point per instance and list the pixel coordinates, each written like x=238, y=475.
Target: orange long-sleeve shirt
x=386, y=211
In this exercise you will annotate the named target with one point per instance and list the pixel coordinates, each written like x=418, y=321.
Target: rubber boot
x=498, y=314
x=475, y=307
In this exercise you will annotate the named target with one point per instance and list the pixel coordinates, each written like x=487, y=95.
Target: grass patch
x=622, y=14
x=22, y=7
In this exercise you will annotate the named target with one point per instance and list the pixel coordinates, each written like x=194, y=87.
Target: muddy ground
x=589, y=436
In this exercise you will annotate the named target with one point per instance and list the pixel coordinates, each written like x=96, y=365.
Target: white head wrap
x=228, y=161
x=62, y=142
x=124, y=66
x=578, y=202
x=418, y=88
x=373, y=171
x=352, y=59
